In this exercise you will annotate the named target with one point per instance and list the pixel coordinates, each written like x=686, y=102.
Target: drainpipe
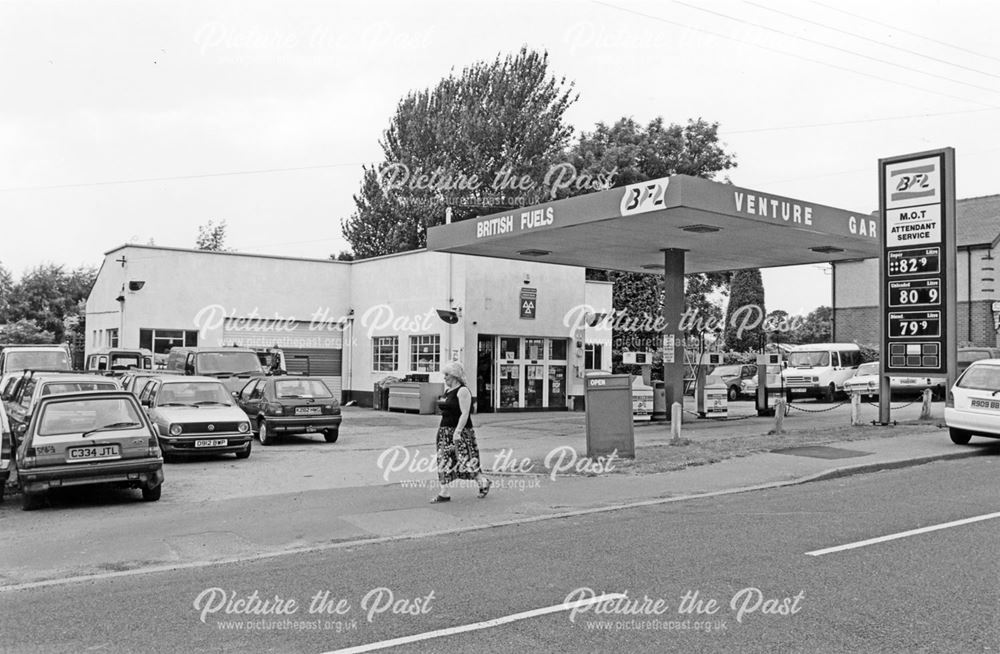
x=833, y=301
x=968, y=293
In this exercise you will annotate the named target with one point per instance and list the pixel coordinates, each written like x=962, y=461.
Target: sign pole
x=917, y=285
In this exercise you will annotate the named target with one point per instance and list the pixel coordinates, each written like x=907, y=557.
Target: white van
x=820, y=369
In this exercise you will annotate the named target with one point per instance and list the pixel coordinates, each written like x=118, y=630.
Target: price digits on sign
x=912, y=262
x=902, y=326
x=915, y=296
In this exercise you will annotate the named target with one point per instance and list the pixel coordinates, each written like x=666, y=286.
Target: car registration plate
x=93, y=453
x=799, y=390
x=211, y=442
x=978, y=403
x=307, y=410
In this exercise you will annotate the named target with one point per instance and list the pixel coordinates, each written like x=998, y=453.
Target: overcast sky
x=129, y=121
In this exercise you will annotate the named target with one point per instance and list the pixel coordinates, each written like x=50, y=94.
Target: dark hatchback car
x=290, y=405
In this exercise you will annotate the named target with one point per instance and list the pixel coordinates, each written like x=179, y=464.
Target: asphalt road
x=931, y=592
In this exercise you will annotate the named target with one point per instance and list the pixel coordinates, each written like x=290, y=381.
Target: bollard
x=855, y=409
x=675, y=421
x=925, y=408
x=779, y=416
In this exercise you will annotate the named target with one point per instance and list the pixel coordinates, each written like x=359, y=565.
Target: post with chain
x=925, y=407
x=779, y=416
x=855, y=409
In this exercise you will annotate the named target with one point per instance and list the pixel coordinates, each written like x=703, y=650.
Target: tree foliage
x=48, y=297
x=501, y=118
x=745, y=312
x=637, y=153
x=212, y=236
x=817, y=327
x=25, y=331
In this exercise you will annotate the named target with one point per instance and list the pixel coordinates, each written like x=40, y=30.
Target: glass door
x=557, y=387
x=485, y=370
x=534, y=386
x=510, y=385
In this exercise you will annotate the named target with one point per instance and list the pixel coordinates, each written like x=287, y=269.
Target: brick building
x=977, y=224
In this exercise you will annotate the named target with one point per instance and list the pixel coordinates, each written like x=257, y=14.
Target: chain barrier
x=894, y=408
x=733, y=418
x=797, y=408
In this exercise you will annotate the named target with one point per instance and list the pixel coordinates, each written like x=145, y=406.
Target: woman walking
x=457, y=451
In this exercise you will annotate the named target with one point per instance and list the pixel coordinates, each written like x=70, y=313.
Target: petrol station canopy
x=719, y=226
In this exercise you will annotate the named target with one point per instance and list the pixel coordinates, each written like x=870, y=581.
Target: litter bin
x=660, y=401
x=377, y=402
x=608, y=401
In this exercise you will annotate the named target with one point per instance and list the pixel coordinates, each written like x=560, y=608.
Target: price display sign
x=917, y=204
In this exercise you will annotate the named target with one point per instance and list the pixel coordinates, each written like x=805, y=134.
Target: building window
x=161, y=340
x=593, y=356
x=425, y=353
x=112, y=338
x=385, y=353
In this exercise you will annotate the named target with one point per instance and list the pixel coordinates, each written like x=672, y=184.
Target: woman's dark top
x=450, y=409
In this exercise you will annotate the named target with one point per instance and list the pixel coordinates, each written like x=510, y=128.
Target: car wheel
x=31, y=501
x=245, y=454
x=152, y=494
x=331, y=435
x=264, y=434
x=734, y=393
x=959, y=436
x=937, y=394
x=831, y=393
x=788, y=397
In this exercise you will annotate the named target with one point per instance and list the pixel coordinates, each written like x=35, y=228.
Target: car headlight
x=815, y=379
x=175, y=430
x=244, y=427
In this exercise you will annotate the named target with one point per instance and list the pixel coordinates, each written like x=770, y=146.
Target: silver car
x=195, y=416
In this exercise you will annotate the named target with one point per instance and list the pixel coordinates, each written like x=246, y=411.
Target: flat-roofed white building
x=519, y=328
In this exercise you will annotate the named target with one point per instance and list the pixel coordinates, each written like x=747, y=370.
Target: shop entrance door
x=485, y=373
x=531, y=373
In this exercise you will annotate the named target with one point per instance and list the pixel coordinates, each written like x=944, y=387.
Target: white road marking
x=903, y=534
x=476, y=626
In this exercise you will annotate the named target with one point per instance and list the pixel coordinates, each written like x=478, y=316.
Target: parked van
x=233, y=366
x=25, y=357
x=117, y=360
x=820, y=369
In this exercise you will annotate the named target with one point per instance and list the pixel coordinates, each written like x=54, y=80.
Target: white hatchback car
x=975, y=402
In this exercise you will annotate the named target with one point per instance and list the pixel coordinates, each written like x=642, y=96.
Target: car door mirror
x=20, y=429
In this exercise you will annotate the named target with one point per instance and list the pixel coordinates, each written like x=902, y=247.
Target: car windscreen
x=981, y=378
x=194, y=393
x=76, y=387
x=808, y=359
x=212, y=363
x=51, y=360
x=78, y=416
x=125, y=361
x=868, y=369
x=727, y=371
x=301, y=388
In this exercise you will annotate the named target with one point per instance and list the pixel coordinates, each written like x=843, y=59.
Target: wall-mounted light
x=136, y=285
x=534, y=253
x=450, y=317
x=826, y=249
x=701, y=229
x=652, y=266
